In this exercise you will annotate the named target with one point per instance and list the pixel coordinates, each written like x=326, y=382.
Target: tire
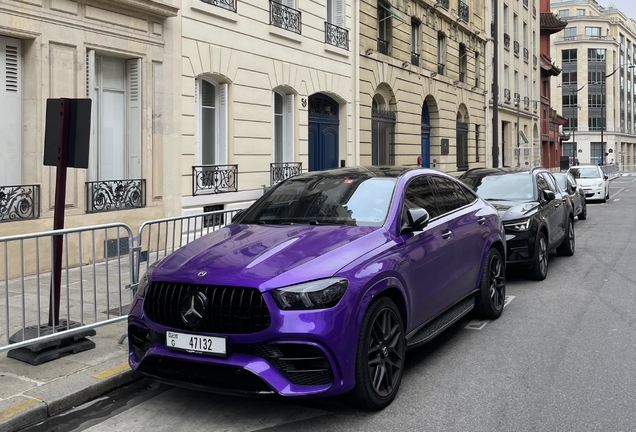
x=567, y=246
x=492, y=293
x=380, y=353
x=539, y=269
x=583, y=214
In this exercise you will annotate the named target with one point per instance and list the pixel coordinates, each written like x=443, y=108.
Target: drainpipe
x=356, y=79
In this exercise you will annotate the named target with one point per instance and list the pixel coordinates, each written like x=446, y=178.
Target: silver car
x=571, y=187
x=594, y=181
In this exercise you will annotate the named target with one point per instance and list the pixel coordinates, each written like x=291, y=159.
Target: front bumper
x=520, y=247
x=301, y=354
x=594, y=193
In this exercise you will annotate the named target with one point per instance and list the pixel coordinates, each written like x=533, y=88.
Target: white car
x=593, y=180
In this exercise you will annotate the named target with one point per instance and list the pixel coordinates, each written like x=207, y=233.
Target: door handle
x=481, y=220
x=446, y=234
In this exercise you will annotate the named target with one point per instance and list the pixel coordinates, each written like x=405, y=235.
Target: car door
x=469, y=233
x=428, y=252
x=555, y=210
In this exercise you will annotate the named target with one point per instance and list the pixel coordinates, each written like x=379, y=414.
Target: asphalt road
x=561, y=358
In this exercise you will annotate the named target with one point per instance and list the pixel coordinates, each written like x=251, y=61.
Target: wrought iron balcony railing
x=507, y=95
x=415, y=59
x=285, y=17
x=507, y=40
x=21, y=202
x=517, y=99
x=336, y=36
x=516, y=47
x=280, y=171
x=534, y=60
x=444, y=3
x=225, y=4
x=526, y=102
x=383, y=46
x=214, y=179
x=525, y=3
x=463, y=11
x=111, y=195
x=535, y=106
x=440, y=69
x=534, y=11
x=526, y=55
x=462, y=77
x=492, y=29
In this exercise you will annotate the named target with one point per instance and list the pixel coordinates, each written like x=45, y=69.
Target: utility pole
x=495, y=88
x=518, y=101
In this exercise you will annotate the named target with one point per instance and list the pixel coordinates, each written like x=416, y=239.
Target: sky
x=628, y=7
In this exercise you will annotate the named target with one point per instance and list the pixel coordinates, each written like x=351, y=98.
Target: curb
x=39, y=403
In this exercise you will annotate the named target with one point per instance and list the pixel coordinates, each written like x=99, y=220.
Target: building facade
x=518, y=32
x=422, y=84
x=119, y=53
x=266, y=91
x=596, y=92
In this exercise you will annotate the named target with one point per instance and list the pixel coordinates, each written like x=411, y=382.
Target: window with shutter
x=134, y=118
x=283, y=127
x=10, y=111
x=211, y=136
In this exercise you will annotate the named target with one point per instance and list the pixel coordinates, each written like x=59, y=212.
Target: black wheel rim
x=497, y=282
x=543, y=256
x=571, y=236
x=386, y=347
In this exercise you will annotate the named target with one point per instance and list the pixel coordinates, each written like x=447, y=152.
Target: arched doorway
x=426, y=136
x=324, y=123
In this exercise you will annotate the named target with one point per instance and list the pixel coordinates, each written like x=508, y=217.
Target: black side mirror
x=417, y=218
x=605, y=177
x=548, y=196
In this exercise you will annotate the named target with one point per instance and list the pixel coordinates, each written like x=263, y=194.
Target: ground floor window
x=10, y=111
x=382, y=136
x=596, y=152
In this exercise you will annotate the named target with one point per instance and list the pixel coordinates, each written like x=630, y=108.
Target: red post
x=58, y=216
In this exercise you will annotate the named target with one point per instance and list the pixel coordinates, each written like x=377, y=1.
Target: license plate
x=197, y=344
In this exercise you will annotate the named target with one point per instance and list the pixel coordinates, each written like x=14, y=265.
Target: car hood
x=589, y=182
x=268, y=256
x=513, y=210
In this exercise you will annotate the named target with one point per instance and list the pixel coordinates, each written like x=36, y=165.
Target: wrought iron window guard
x=383, y=46
x=534, y=60
x=506, y=40
x=111, y=195
x=526, y=55
x=224, y=4
x=280, y=171
x=526, y=102
x=20, y=202
x=462, y=76
x=535, y=105
x=214, y=179
x=336, y=36
x=492, y=29
x=415, y=59
x=507, y=95
x=516, y=47
x=440, y=69
x=444, y=3
x=285, y=17
x=525, y=3
x=463, y=11
x=534, y=11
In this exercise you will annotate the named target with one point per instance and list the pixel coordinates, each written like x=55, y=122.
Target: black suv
x=537, y=216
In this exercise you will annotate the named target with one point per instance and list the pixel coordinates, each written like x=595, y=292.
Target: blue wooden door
x=323, y=133
x=426, y=137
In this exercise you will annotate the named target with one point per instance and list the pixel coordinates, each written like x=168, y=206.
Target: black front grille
x=203, y=374
x=229, y=310
x=301, y=364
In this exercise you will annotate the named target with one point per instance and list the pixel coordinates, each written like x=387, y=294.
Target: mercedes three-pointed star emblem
x=192, y=308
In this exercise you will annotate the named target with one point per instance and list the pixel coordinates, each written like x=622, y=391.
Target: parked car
x=321, y=286
x=567, y=184
x=593, y=180
x=538, y=217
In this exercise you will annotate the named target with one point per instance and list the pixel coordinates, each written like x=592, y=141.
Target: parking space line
x=619, y=191
x=480, y=324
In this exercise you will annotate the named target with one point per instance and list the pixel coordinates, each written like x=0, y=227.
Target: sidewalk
x=30, y=394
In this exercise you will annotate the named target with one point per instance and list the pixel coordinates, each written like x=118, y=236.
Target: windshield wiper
x=334, y=222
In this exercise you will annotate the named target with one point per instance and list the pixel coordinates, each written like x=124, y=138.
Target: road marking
x=619, y=191
x=617, y=199
x=17, y=409
x=480, y=324
x=111, y=371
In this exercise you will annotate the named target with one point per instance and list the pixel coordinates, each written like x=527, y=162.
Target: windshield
x=561, y=180
x=321, y=199
x=512, y=187
x=583, y=173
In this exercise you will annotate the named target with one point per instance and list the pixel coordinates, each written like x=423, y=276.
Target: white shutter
x=289, y=125
x=339, y=12
x=90, y=93
x=222, y=144
x=198, y=122
x=134, y=136
x=10, y=111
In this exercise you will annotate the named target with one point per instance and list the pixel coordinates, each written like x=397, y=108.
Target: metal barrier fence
x=91, y=294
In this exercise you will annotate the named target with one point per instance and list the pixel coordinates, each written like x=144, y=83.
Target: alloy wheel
x=543, y=256
x=497, y=282
x=385, y=347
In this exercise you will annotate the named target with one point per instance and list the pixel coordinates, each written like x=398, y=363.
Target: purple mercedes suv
x=321, y=286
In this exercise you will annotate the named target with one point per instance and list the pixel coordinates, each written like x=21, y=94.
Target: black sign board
x=78, y=133
x=445, y=146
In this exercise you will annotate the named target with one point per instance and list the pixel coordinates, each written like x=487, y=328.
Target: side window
x=465, y=196
x=571, y=181
x=551, y=182
x=420, y=193
x=449, y=195
x=542, y=185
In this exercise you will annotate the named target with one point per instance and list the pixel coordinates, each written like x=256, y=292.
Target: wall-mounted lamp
x=405, y=64
x=434, y=74
x=369, y=51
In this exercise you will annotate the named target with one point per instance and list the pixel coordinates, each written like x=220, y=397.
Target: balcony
x=463, y=11
x=111, y=195
x=526, y=55
x=516, y=47
x=383, y=46
x=507, y=40
x=224, y=4
x=444, y=3
x=214, y=179
x=535, y=106
x=415, y=59
x=507, y=96
x=526, y=102
x=336, y=36
x=440, y=69
x=284, y=17
x=280, y=171
x=517, y=99
x=20, y=202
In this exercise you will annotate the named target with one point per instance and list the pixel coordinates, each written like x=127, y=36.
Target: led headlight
x=599, y=184
x=520, y=225
x=143, y=284
x=318, y=294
